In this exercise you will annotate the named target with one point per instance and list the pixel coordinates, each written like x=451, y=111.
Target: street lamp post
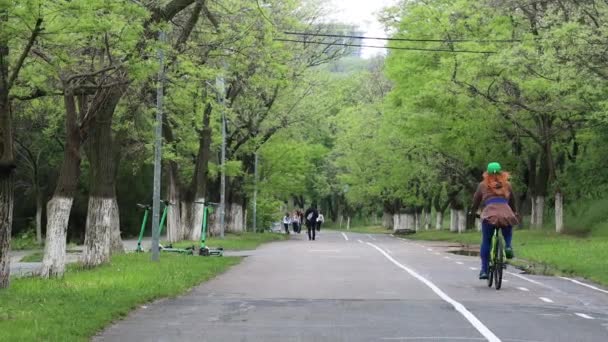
x=158, y=145
x=220, y=90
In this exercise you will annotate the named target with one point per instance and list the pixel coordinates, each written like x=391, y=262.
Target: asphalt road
x=359, y=287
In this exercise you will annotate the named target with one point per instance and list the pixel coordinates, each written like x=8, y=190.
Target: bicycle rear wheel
x=499, y=265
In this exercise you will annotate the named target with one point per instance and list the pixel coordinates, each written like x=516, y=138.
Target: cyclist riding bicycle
x=494, y=192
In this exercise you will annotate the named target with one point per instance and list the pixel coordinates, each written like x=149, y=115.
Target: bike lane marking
x=586, y=285
x=583, y=315
x=345, y=237
x=468, y=315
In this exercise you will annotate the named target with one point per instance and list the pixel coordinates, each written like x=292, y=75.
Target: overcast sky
x=364, y=14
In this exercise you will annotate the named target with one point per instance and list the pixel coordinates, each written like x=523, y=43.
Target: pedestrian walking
x=286, y=222
x=295, y=221
x=311, y=222
x=320, y=220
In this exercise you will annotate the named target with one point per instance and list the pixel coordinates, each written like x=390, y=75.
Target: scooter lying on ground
x=203, y=249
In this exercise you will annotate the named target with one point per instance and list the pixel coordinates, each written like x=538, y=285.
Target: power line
x=382, y=47
x=404, y=39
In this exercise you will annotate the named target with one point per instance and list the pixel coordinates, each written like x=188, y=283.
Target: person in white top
x=320, y=220
x=286, y=222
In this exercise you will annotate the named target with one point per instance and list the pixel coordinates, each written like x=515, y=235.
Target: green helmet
x=494, y=168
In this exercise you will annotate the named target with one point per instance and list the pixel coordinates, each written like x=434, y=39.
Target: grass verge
x=545, y=252
x=77, y=306
x=237, y=242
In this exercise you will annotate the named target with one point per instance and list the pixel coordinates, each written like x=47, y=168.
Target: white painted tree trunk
x=100, y=222
x=417, y=221
x=396, y=222
x=453, y=220
x=198, y=210
x=559, y=212
x=462, y=221
x=478, y=224
x=387, y=220
x=116, y=245
x=427, y=219
x=341, y=219
x=174, y=222
x=235, y=218
x=214, y=223
x=39, y=221
x=439, y=220
x=375, y=219
x=185, y=219
x=348, y=223
x=58, y=213
x=540, y=211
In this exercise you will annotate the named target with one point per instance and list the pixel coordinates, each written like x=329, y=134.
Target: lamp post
x=158, y=145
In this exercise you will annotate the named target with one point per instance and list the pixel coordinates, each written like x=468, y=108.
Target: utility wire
x=383, y=47
x=404, y=39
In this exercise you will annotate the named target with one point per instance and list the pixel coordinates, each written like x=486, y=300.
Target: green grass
x=25, y=241
x=546, y=250
x=237, y=242
x=361, y=229
x=84, y=301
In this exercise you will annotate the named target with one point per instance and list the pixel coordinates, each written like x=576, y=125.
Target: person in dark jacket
x=310, y=216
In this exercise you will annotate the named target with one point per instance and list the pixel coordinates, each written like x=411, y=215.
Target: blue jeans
x=487, y=231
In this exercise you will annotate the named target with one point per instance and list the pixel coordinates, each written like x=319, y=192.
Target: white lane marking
x=360, y=241
x=527, y=279
x=522, y=289
x=475, y=322
x=474, y=269
x=586, y=285
x=371, y=237
x=431, y=338
x=429, y=249
x=345, y=237
x=505, y=280
x=459, y=263
x=545, y=299
x=436, y=253
x=583, y=315
x=447, y=258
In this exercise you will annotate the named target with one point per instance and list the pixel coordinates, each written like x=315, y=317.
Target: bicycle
x=497, y=260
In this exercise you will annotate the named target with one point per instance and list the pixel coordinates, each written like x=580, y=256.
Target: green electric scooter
x=204, y=250
x=168, y=248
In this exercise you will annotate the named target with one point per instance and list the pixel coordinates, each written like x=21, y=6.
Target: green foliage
x=78, y=305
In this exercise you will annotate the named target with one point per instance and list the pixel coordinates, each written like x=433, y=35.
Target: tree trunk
x=6, y=221
x=426, y=218
x=533, y=211
x=348, y=222
x=102, y=213
x=439, y=220
x=7, y=165
x=559, y=212
x=387, y=220
x=462, y=221
x=39, y=204
x=540, y=211
x=60, y=205
x=174, y=212
x=453, y=220
x=200, y=179
x=478, y=224
x=416, y=220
